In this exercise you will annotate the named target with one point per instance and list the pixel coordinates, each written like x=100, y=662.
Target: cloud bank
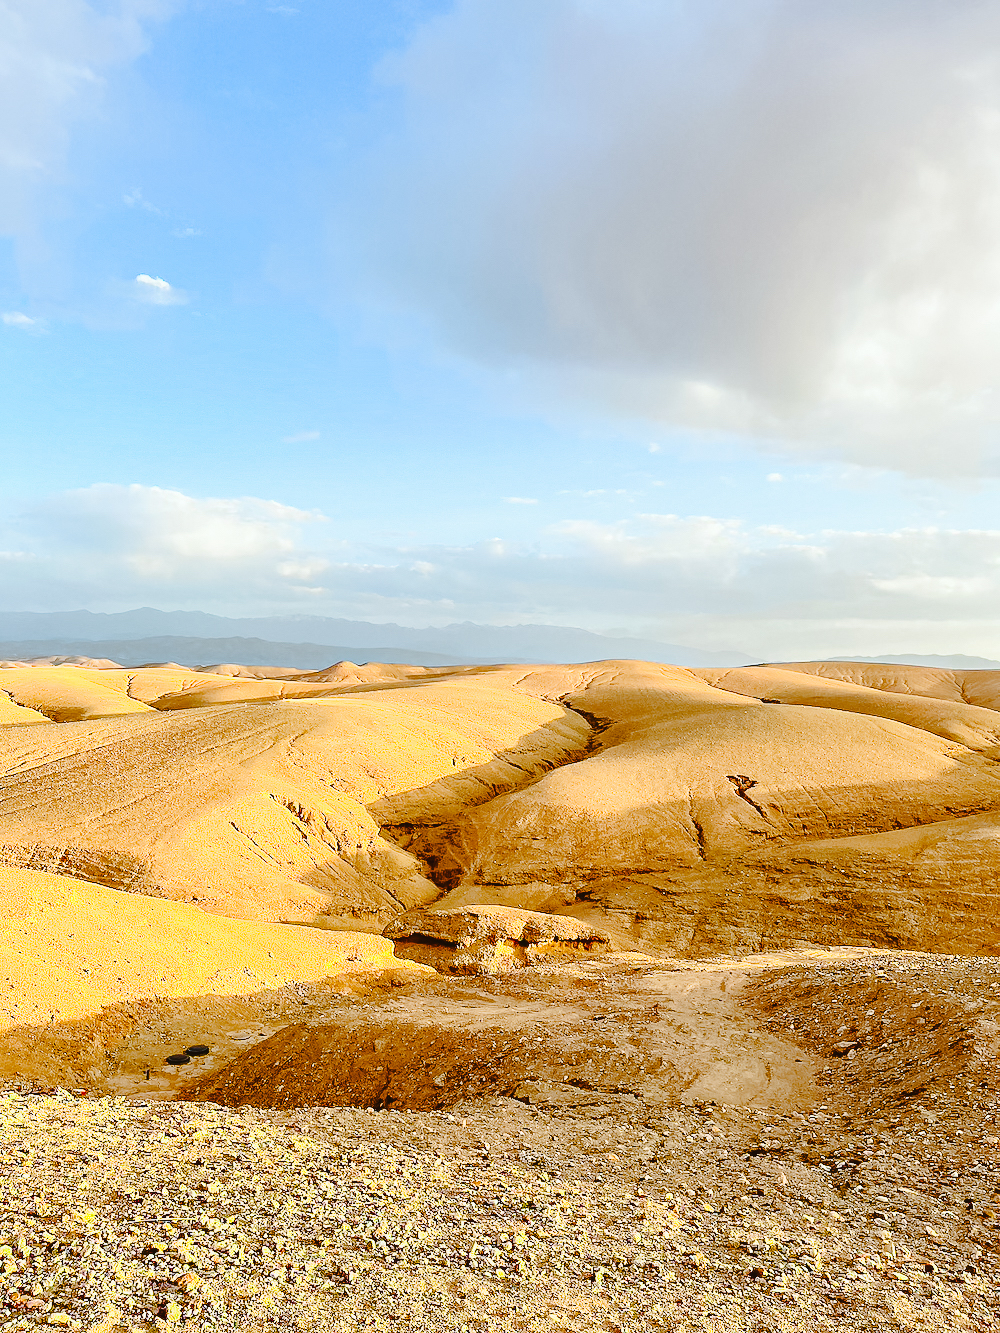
x=151, y=543
x=774, y=217
x=707, y=581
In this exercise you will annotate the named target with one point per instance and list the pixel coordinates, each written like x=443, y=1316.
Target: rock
x=844, y=1047
x=489, y=939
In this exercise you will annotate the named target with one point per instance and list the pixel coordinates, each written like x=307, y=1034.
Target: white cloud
x=303, y=569
x=147, y=543
x=775, y=217
x=519, y=500
x=55, y=59
x=775, y=477
x=301, y=437
x=157, y=291
x=704, y=580
x=18, y=320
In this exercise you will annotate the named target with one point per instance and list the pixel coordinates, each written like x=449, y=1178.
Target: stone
x=488, y=939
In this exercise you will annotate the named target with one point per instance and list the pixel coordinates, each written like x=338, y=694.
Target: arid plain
x=607, y=996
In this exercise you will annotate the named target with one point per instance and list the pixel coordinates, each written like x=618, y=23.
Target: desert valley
x=606, y=996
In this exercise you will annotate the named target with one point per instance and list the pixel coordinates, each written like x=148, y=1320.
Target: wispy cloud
x=519, y=500
x=58, y=58
x=134, y=199
x=301, y=438
x=16, y=319
x=157, y=291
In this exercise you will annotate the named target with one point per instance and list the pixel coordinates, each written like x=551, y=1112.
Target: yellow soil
x=686, y=774
x=669, y=808
x=259, y=810
x=975, y=727
x=981, y=688
x=69, y=949
x=67, y=694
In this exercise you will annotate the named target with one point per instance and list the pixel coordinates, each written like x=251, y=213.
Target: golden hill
x=684, y=810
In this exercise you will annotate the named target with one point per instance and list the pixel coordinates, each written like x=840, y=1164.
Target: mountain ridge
x=51, y=632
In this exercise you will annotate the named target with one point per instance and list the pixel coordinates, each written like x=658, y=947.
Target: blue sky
x=672, y=319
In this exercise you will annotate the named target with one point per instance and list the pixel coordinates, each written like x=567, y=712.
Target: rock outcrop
x=474, y=939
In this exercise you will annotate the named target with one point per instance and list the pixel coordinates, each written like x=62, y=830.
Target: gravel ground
x=878, y=1209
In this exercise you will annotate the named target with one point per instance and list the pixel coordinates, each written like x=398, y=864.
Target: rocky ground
x=864, y=1197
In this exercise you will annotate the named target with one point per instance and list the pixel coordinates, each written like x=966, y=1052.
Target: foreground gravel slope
x=566, y=1207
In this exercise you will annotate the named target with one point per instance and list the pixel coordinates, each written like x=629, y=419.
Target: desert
x=611, y=995
x=500, y=666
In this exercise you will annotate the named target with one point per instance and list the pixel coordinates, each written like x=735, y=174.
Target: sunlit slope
x=974, y=727
x=69, y=949
x=692, y=822
x=68, y=694
x=980, y=688
x=675, y=807
x=686, y=773
x=16, y=715
x=334, y=681
x=259, y=810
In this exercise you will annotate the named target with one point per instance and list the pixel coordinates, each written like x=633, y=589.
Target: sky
x=675, y=318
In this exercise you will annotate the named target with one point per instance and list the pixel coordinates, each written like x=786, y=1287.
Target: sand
x=69, y=949
x=687, y=810
x=668, y=810
x=258, y=810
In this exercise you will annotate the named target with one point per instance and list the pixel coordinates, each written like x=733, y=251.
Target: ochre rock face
x=489, y=939
x=670, y=809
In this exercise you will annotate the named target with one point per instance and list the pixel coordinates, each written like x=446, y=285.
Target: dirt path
x=667, y=1033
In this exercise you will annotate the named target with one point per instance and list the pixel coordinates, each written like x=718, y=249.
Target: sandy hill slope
x=251, y=809
x=688, y=810
x=678, y=808
x=980, y=688
x=69, y=949
x=692, y=821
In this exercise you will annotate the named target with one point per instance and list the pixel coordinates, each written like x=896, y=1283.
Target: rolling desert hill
x=676, y=992
x=689, y=809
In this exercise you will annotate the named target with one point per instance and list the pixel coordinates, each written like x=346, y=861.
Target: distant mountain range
x=196, y=638
x=954, y=662
x=212, y=652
